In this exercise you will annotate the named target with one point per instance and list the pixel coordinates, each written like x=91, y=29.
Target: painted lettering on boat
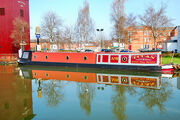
x=114, y=58
x=144, y=59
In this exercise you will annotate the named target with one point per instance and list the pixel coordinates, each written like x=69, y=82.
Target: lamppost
x=38, y=46
x=100, y=30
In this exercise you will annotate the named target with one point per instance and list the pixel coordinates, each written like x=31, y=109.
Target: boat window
x=46, y=57
x=67, y=57
x=25, y=55
x=85, y=57
x=34, y=57
x=47, y=74
x=67, y=76
x=35, y=74
x=85, y=77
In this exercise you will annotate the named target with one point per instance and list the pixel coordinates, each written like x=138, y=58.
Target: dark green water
x=50, y=93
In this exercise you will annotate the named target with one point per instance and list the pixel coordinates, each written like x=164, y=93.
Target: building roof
x=142, y=27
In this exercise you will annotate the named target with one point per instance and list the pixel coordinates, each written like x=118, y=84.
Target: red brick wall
x=139, y=35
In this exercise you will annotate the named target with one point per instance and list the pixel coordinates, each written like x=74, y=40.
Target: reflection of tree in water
x=119, y=102
x=53, y=92
x=132, y=91
x=86, y=94
x=152, y=97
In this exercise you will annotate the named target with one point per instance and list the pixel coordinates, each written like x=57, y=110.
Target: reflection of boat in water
x=132, y=79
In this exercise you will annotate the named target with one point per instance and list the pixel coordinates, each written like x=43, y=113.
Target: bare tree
x=84, y=26
x=50, y=26
x=156, y=21
x=68, y=35
x=59, y=39
x=118, y=18
x=130, y=20
x=20, y=32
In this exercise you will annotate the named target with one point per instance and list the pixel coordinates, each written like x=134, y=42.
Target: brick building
x=9, y=10
x=141, y=37
x=45, y=44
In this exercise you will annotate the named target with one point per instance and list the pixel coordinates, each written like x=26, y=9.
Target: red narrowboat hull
x=125, y=61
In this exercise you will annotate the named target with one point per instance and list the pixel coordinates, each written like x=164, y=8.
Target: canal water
x=54, y=93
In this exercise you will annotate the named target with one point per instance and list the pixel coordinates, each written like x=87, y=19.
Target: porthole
x=67, y=76
x=124, y=59
x=46, y=57
x=34, y=57
x=67, y=57
x=85, y=77
x=85, y=57
x=35, y=73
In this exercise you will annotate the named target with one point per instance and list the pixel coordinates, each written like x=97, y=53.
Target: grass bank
x=167, y=60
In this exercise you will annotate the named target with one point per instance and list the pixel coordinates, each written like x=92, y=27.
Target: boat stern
x=25, y=58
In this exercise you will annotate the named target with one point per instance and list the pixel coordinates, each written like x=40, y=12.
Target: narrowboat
x=150, y=61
